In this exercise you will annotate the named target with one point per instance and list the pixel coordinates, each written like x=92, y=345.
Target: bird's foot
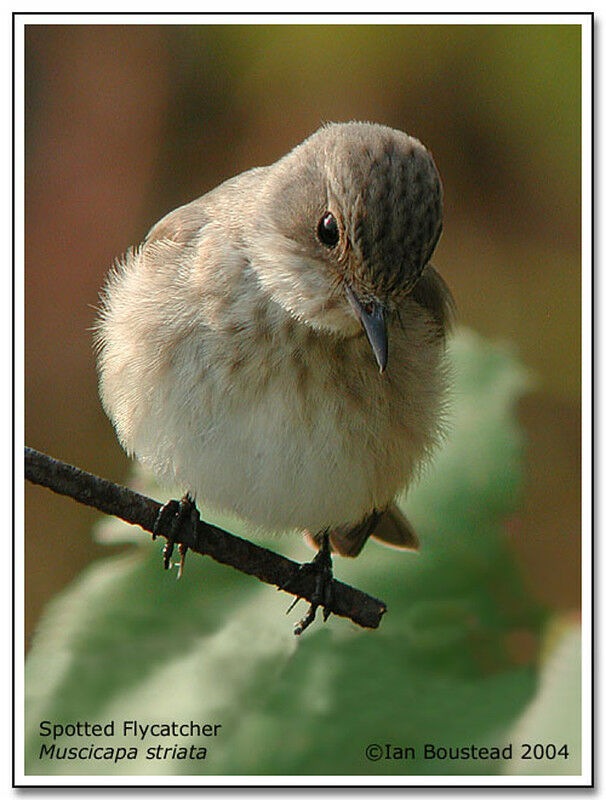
x=183, y=515
x=321, y=568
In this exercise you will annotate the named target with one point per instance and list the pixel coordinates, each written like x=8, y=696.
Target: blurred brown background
x=124, y=123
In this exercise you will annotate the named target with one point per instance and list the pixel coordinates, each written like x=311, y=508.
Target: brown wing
x=223, y=202
x=431, y=292
x=389, y=527
x=182, y=224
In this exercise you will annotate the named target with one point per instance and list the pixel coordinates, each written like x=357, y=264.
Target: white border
x=19, y=389
x=312, y=18
x=587, y=355
x=586, y=400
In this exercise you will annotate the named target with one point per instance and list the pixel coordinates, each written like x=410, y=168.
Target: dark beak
x=372, y=318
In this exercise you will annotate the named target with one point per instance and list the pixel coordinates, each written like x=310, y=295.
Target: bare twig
x=267, y=566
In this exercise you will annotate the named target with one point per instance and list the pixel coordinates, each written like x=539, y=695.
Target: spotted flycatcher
x=276, y=347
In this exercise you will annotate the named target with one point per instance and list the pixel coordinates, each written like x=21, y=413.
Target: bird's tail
x=390, y=527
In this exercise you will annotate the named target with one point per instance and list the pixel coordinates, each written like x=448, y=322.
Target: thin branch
x=209, y=540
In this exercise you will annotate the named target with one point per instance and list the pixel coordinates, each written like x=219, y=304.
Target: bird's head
x=349, y=219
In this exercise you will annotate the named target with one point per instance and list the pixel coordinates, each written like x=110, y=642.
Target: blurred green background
x=124, y=123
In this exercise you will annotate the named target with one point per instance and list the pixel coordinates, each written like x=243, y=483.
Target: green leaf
x=128, y=642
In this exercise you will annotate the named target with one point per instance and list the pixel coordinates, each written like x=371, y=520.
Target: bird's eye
x=328, y=230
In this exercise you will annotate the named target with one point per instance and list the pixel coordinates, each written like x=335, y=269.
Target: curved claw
x=182, y=513
x=321, y=566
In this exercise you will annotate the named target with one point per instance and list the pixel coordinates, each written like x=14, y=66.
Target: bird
x=278, y=346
